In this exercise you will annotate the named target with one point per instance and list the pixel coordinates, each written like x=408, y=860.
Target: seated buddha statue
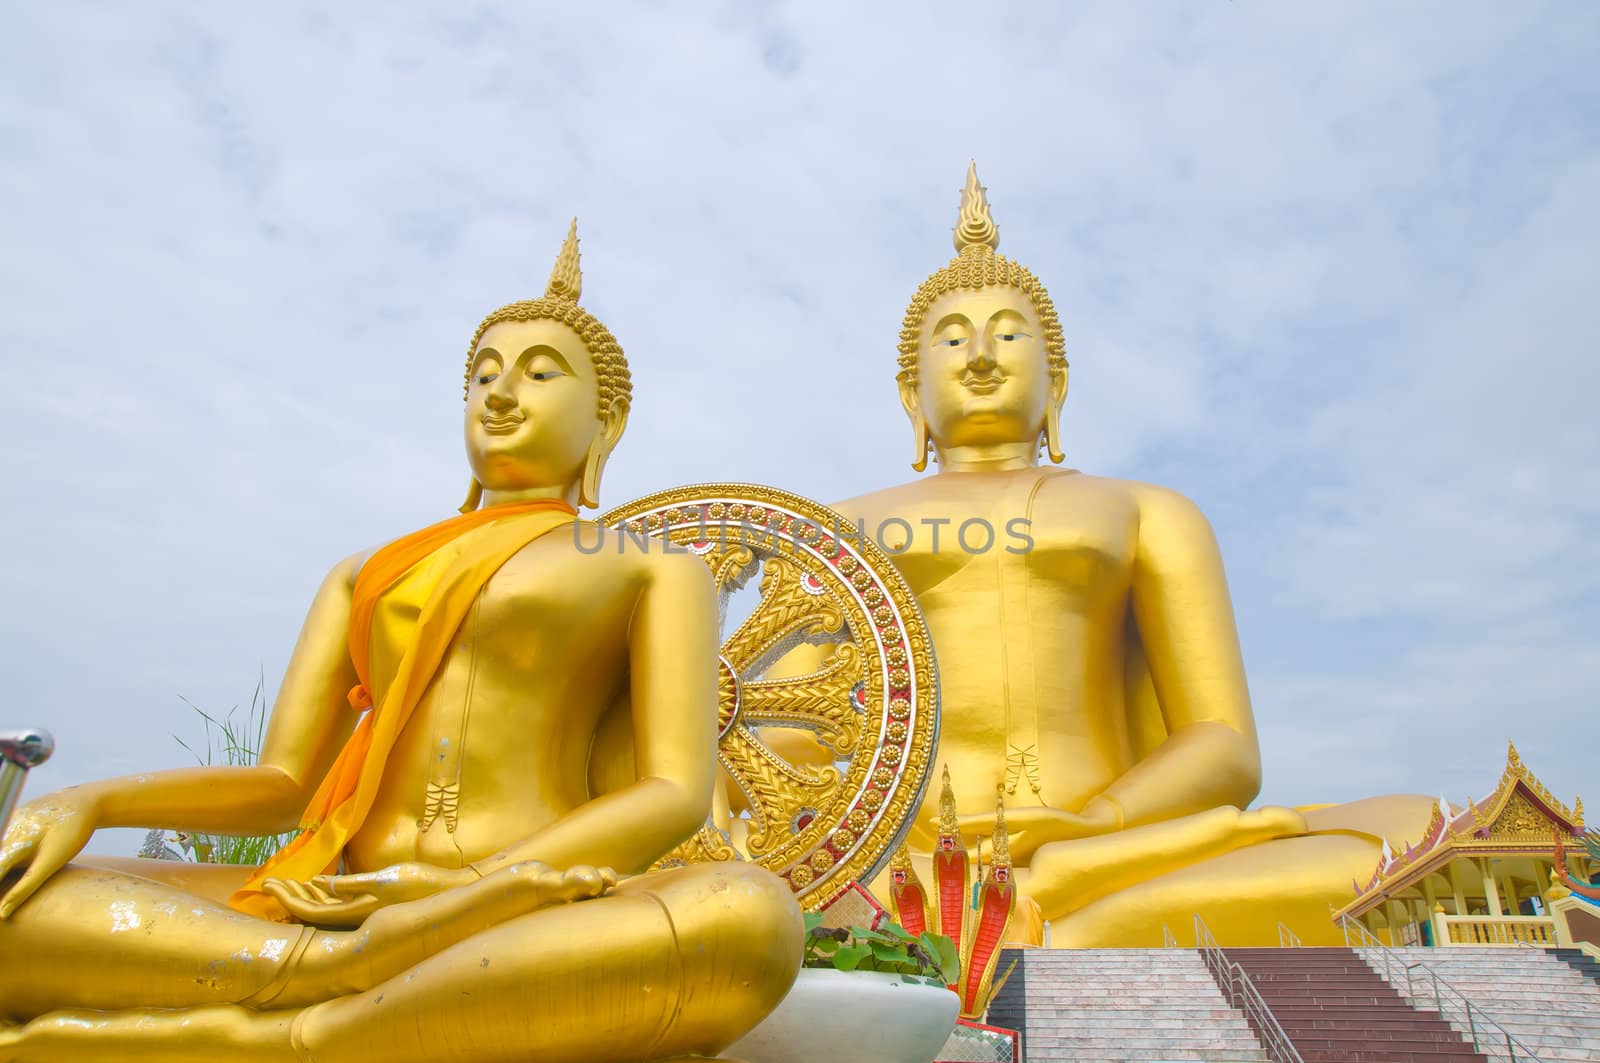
x=451, y=894
x=1088, y=661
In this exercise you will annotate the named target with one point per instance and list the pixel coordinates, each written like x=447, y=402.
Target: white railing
x=1536, y=930
x=1168, y=941
x=1242, y=994
x=1488, y=1036
x=1287, y=939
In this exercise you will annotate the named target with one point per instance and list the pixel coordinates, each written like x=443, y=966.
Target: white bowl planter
x=852, y=1017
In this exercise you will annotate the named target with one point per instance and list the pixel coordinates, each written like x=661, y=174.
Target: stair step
x=1132, y=1006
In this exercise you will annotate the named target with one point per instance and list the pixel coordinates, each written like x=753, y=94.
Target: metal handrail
x=1168, y=940
x=1287, y=939
x=20, y=751
x=1486, y=1033
x=1242, y=994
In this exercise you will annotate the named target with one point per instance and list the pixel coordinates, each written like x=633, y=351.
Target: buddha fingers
x=396, y=938
x=1067, y=875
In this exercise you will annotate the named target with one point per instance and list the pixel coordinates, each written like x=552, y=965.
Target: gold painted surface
x=477, y=917
x=1093, y=672
x=868, y=707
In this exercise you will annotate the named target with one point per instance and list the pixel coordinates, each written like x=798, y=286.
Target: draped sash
x=443, y=567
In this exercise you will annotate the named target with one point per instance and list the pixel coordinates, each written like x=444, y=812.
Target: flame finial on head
x=975, y=226
x=1002, y=840
x=949, y=823
x=566, y=279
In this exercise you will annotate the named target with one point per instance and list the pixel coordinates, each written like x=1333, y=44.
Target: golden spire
x=948, y=822
x=1002, y=841
x=1513, y=761
x=566, y=279
x=1577, y=811
x=975, y=227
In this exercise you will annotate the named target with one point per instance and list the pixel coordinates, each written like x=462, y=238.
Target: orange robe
x=445, y=566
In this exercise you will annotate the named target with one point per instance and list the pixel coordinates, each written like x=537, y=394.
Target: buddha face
x=983, y=373
x=531, y=407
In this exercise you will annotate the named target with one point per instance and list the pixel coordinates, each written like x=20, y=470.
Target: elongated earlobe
x=474, y=496
x=919, y=424
x=919, y=431
x=589, y=486
x=1052, y=415
x=1052, y=434
x=612, y=424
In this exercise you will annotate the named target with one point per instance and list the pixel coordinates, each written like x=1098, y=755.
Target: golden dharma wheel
x=866, y=688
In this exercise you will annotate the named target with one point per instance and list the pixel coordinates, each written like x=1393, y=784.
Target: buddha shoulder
x=599, y=558
x=1064, y=500
x=1144, y=501
x=1159, y=520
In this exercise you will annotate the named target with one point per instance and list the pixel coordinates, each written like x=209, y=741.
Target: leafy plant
x=233, y=743
x=928, y=957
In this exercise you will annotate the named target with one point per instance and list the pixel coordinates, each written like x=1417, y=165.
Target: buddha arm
x=310, y=721
x=672, y=650
x=1185, y=621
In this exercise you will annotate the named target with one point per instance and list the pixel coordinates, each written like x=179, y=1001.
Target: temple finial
x=1513, y=760
x=1002, y=840
x=566, y=279
x=975, y=226
x=949, y=823
x=1577, y=811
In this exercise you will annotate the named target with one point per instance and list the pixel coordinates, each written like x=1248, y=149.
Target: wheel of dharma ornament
x=866, y=688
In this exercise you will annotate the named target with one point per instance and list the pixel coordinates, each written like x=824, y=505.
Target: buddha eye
x=953, y=341
x=487, y=378
x=1009, y=336
x=545, y=374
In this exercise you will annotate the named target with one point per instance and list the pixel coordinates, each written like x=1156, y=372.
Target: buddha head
x=547, y=391
x=982, y=364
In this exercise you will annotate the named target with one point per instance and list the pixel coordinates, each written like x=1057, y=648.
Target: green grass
x=233, y=742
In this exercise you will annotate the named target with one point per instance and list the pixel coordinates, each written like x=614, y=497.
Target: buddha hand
x=347, y=900
x=344, y=901
x=1033, y=826
x=43, y=837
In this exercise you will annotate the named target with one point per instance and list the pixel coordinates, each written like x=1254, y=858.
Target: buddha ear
x=612, y=423
x=919, y=424
x=474, y=496
x=1052, y=415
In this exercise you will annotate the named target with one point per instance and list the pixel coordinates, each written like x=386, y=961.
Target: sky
x=1327, y=269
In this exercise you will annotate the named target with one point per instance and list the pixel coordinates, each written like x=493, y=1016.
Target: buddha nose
x=499, y=399
x=980, y=358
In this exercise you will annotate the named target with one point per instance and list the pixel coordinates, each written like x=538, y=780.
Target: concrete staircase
x=1550, y=1006
x=1335, y=1009
x=1579, y=961
x=1123, y=1005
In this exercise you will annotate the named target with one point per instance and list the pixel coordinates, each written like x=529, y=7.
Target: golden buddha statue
x=1088, y=662
x=426, y=911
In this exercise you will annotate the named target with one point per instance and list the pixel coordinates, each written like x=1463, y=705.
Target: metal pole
x=19, y=751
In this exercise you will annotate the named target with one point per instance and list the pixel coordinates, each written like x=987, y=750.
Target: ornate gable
x=1522, y=809
x=1519, y=814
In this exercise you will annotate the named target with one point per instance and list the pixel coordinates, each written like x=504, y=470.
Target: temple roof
x=1520, y=817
